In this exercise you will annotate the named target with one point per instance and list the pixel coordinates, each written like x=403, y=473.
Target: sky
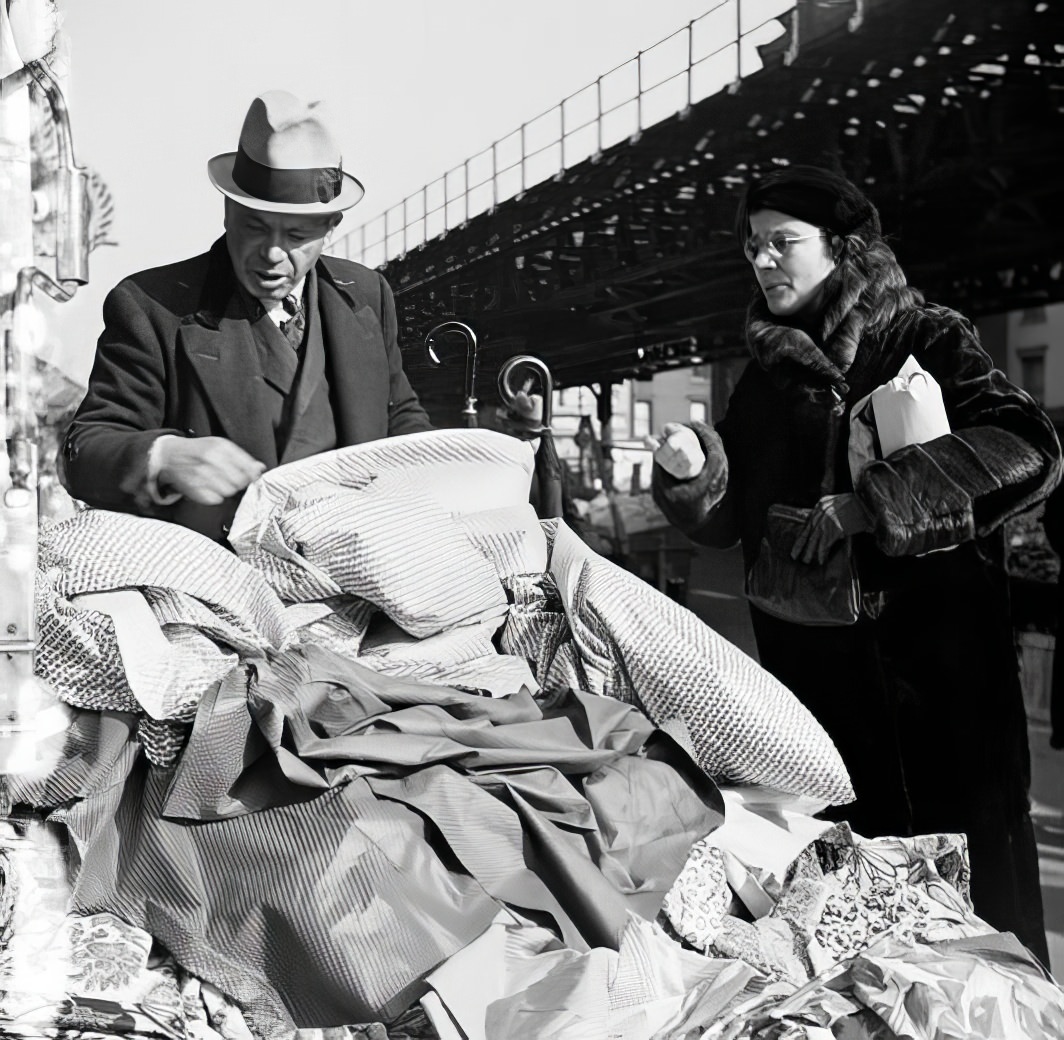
x=413, y=88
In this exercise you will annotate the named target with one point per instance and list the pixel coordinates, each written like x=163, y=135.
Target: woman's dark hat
x=287, y=160
x=818, y=196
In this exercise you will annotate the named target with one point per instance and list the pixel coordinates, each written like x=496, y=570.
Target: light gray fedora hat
x=287, y=160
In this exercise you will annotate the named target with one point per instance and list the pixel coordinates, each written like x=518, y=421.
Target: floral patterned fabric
x=64, y=975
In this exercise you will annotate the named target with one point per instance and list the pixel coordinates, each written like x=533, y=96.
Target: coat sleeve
x=702, y=506
x=405, y=414
x=104, y=456
x=1001, y=457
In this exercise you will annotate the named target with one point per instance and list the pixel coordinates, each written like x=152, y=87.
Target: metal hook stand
x=548, y=465
x=469, y=412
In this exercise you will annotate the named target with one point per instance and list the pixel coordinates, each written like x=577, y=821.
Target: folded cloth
x=330, y=834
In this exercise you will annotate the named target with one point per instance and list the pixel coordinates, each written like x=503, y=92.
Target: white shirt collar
x=275, y=309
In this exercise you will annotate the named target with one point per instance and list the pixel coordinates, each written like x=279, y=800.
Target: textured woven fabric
x=463, y=471
x=389, y=543
x=637, y=644
x=511, y=537
x=97, y=550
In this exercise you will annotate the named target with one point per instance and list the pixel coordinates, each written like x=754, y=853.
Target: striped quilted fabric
x=462, y=471
x=511, y=537
x=97, y=550
x=637, y=644
x=389, y=543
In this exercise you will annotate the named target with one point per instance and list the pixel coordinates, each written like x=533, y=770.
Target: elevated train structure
x=949, y=113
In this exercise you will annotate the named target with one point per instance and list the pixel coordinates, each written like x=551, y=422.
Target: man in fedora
x=259, y=352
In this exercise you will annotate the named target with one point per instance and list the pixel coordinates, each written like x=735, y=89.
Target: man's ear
x=837, y=244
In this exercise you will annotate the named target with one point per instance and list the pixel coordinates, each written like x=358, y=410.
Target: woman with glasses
x=882, y=602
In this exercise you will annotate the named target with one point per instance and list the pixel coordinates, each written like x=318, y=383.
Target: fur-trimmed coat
x=923, y=699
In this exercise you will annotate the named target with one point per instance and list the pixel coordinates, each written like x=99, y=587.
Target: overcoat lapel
x=354, y=343
x=220, y=347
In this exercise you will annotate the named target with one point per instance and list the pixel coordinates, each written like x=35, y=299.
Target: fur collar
x=788, y=354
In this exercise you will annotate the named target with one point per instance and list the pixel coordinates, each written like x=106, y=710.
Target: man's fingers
x=208, y=469
x=651, y=442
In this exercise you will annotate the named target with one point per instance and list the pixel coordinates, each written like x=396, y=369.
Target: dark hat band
x=313, y=184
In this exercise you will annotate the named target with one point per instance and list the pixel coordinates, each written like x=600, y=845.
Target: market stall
x=409, y=735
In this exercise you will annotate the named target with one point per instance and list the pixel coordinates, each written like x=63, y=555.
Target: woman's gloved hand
x=678, y=451
x=833, y=518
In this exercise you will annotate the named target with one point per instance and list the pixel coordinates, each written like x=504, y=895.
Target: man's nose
x=273, y=250
x=764, y=259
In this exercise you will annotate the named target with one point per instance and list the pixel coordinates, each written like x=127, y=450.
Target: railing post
x=598, y=121
x=494, y=174
x=406, y=227
x=561, y=120
x=690, y=63
x=465, y=188
x=639, y=90
x=738, y=40
x=522, y=157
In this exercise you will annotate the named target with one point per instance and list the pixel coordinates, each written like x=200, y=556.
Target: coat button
x=190, y=433
x=225, y=528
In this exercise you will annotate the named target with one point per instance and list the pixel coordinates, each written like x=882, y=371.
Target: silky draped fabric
x=330, y=834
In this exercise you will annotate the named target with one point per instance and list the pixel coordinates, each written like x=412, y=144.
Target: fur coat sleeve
x=1001, y=457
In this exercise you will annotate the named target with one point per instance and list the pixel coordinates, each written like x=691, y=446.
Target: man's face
x=272, y=251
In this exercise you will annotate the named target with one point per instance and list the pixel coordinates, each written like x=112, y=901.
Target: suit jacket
x=172, y=359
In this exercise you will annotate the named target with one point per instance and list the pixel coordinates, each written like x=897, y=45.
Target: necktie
x=293, y=328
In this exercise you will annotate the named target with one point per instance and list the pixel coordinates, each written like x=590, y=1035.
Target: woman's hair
x=868, y=287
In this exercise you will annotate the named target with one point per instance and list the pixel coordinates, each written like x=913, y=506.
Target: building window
x=641, y=419
x=1033, y=316
x=698, y=411
x=700, y=372
x=1033, y=372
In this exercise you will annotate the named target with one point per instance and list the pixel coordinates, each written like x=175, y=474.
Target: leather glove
x=833, y=518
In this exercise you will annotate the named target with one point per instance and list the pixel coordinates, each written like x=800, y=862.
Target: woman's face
x=791, y=259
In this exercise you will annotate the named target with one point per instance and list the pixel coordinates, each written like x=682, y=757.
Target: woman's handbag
x=826, y=593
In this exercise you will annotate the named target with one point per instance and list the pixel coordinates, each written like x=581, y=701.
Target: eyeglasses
x=778, y=245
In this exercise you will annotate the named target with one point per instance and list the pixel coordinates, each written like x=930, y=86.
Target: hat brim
x=220, y=171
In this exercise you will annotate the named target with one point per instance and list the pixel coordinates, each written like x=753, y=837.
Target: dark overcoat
x=175, y=357
x=922, y=695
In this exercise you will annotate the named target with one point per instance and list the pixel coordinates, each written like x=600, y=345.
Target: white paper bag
x=907, y=409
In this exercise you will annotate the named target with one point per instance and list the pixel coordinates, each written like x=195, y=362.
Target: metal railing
x=684, y=68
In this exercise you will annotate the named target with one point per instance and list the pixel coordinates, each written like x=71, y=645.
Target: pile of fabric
x=412, y=763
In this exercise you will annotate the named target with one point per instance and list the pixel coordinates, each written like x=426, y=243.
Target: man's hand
x=207, y=470
x=679, y=452
x=833, y=518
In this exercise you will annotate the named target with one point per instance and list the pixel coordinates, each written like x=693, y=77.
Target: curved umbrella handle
x=548, y=465
x=432, y=338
